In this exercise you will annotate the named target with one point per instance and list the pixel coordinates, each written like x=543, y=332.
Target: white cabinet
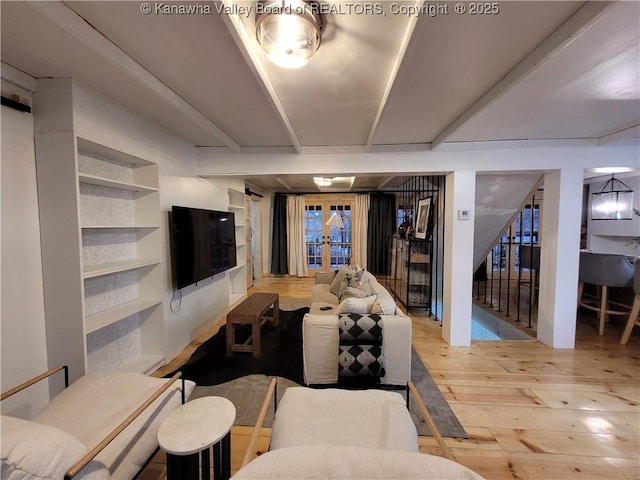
x=100, y=223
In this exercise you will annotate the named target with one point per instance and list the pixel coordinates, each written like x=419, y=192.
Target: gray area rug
x=289, y=303
x=247, y=394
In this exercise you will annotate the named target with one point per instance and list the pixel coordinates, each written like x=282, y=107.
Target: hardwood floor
x=531, y=412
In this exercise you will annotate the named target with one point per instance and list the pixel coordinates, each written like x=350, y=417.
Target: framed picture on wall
x=422, y=221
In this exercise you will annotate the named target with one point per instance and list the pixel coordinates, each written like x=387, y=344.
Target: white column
x=458, y=257
x=559, y=257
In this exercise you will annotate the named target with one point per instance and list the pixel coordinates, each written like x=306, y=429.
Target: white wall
x=103, y=121
x=24, y=349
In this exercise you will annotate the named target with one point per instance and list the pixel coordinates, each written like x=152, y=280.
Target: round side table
x=190, y=431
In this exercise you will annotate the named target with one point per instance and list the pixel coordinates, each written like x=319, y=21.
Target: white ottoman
x=365, y=418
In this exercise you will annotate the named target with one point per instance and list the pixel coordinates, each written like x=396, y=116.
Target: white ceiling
x=534, y=70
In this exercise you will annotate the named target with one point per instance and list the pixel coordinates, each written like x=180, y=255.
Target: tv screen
x=203, y=243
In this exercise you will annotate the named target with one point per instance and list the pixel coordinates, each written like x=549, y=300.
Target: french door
x=328, y=246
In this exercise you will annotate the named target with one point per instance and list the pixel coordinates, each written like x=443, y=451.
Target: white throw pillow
x=366, y=288
x=349, y=292
x=356, y=305
x=36, y=451
x=384, y=305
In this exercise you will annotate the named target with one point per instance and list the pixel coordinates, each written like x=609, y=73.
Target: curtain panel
x=295, y=234
x=360, y=226
x=382, y=225
x=279, y=260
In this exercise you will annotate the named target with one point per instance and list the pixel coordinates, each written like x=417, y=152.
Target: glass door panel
x=328, y=246
x=340, y=238
x=314, y=237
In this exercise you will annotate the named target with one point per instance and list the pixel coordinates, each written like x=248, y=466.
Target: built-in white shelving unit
x=101, y=255
x=238, y=275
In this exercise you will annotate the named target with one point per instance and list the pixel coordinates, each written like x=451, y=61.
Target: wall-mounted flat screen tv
x=203, y=244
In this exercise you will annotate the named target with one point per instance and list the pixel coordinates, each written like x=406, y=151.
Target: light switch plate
x=464, y=214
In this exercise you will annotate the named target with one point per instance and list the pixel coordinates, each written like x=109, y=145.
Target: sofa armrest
x=320, y=349
x=325, y=277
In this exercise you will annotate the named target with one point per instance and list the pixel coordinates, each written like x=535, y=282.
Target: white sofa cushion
x=325, y=413
x=82, y=411
x=353, y=463
x=356, y=305
x=321, y=293
x=33, y=451
x=384, y=305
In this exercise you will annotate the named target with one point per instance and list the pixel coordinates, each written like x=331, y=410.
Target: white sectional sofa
x=320, y=335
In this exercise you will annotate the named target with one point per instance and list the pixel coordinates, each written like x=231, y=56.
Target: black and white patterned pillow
x=360, y=345
x=360, y=360
x=358, y=327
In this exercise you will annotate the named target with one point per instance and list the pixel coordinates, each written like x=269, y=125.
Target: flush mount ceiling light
x=288, y=30
x=322, y=181
x=612, y=201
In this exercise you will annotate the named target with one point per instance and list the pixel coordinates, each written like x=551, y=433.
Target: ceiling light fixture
x=322, y=181
x=288, y=30
x=612, y=201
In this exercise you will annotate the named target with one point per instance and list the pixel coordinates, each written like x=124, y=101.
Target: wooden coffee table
x=251, y=311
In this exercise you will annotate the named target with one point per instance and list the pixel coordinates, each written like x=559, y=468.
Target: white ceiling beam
x=82, y=31
x=402, y=50
x=247, y=46
x=557, y=41
x=18, y=78
x=284, y=184
x=631, y=132
x=383, y=182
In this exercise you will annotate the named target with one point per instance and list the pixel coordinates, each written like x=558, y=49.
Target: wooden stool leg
x=633, y=320
x=603, y=309
x=580, y=290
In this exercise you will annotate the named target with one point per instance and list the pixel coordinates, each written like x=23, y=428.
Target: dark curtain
x=279, y=261
x=382, y=225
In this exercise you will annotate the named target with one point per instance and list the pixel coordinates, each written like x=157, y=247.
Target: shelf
x=237, y=207
x=107, y=317
x=115, y=267
x=84, y=144
x=143, y=364
x=118, y=227
x=420, y=258
x=105, y=182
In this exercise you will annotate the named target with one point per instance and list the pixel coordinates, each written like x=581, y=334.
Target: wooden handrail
x=36, y=379
x=98, y=448
x=434, y=429
x=248, y=454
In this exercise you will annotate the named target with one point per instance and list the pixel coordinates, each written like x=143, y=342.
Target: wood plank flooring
x=531, y=412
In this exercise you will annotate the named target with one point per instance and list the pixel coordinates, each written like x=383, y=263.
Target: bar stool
x=635, y=310
x=604, y=270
